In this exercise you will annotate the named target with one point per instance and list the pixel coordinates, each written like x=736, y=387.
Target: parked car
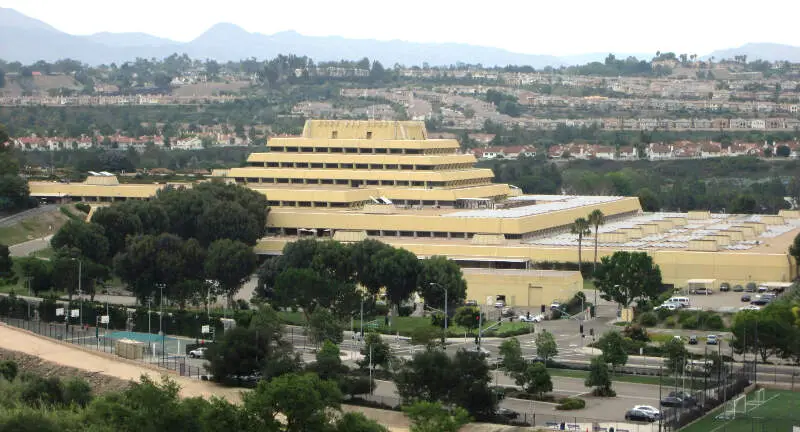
x=692, y=340
x=198, y=352
x=555, y=305
x=649, y=409
x=760, y=301
x=500, y=304
x=687, y=398
x=751, y=307
x=704, y=291
x=750, y=287
x=639, y=415
x=712, y=340
x=506, y=413
x=738, y=288
x=507, y=312
x=746, y=298
x=724, y=287
x=672, y=402
x=668, y=306
x=471, y=303
x=479, y=350
x=530, y=318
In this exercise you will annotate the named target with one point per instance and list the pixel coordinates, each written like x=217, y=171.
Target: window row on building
x=364, y=150
x=358, y=183
x=342, y=165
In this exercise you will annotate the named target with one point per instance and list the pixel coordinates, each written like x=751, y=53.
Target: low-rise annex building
x=351, y=180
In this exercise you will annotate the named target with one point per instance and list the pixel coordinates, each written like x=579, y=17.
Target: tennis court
x=172, y=346
x=777, y=413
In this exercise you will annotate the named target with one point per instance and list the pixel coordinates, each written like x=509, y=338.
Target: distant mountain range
x=28, y=40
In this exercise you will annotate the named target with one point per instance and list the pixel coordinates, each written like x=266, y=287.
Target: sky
x=524, y=26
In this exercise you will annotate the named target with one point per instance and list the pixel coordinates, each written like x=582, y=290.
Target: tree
x=38, y=273
x=357, y=422
x=581, y=228
x=378, y=349
x=398, y=271
x=535, y=379
x=783, y=151
x=433, y=417
x=438, y=274
x=546, y=347
x=599, y=377
x=467, y=317
x=6, y=263
x=596, y=218
x=626, y=276
x=794, y=250
x=324, y=327
x=511, y=354
x=117, y=225
x=368, y=271
x=329, y=362
x=242, y=352
x=471, y=387
x=304, y=400
x=230, y=263
x=676, y=356
x=304, y=288
x=228, y=220
x=613, y=346
x=89, y=239
x=648, y=200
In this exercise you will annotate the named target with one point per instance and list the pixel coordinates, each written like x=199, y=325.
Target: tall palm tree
x=596, y=218
x=581, y=228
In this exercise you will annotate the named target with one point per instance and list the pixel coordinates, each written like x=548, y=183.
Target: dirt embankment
x=29, y=363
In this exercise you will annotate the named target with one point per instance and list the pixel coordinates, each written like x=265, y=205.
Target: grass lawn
x=44, y=253
x=406, y=325
x=778, y=413
x=32, y=228
x=666, y=382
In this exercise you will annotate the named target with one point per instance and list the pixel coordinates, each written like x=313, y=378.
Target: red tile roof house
x=659, y=152
x=604, y=152
x=515, y=152
x=489, y=153
x=627, y=153
x=710, y=150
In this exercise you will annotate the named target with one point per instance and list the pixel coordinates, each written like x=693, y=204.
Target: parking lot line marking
x=528, y=400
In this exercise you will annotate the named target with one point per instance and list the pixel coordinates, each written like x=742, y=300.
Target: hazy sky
x=527, y=26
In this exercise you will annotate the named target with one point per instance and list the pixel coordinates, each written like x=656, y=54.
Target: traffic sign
x=60, y=312
x=205, y=329
x=75, y=313
x=104, y=319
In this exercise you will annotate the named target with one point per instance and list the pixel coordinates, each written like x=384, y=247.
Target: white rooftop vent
x=94, y=173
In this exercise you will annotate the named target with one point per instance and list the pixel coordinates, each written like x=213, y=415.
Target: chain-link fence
x=164, y=353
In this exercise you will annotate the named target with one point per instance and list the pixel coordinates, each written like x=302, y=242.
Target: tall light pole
x=80, y=296
x=361, y=335
x=161, y=318
x=445, y=306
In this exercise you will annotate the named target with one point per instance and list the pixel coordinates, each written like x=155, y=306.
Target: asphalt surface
x=29, y=247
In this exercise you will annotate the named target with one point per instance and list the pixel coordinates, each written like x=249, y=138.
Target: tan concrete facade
x=388, y=181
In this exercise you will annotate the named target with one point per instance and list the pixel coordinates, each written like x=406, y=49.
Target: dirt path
x=58, y=353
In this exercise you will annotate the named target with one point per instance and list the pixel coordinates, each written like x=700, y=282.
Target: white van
x=683, y=301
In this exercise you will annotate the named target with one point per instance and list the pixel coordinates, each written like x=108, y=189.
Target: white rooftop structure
x=551, y=206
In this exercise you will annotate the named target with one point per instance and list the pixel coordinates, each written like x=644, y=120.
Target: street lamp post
x=161, y=318
x=80, y=296
x=361, y=331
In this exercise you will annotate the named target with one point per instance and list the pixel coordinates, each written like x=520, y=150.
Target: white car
x=533, y=318
x=500, y=304
x=668, y=306
x=750, y=307
x=198, y=352
x=649, y=409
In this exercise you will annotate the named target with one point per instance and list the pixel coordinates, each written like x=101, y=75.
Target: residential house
x=758, y=124
x=515, y=152
x=188, y=143
x=489, y=153
x=710, y=150
x=659, y=152
x=627, y=153
x=603, y=152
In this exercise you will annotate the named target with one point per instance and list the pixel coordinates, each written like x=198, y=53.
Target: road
x=15, y=218
x=29, y=247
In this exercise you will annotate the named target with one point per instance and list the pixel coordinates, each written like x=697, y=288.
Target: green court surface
x=779, y=413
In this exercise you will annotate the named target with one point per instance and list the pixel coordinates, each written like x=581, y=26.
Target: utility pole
x=660, y=375
x=480, y=324
x=361, y=335
x=161, y=319
x=370, y=368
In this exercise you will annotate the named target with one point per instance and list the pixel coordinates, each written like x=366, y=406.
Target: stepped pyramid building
x=351, y=180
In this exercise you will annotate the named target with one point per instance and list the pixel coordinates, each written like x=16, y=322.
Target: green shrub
x=663, y=314
x=636, y=332
x=77, y=391
x=603, y=392
x=570, y=403
x=714, y=322
x=671, y=321
x=8, y=370
x=648, y=319
x=689, y=321
x=86, y=208
x=405, y=311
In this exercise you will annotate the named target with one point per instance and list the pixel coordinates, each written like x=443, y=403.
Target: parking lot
x=718, y=301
